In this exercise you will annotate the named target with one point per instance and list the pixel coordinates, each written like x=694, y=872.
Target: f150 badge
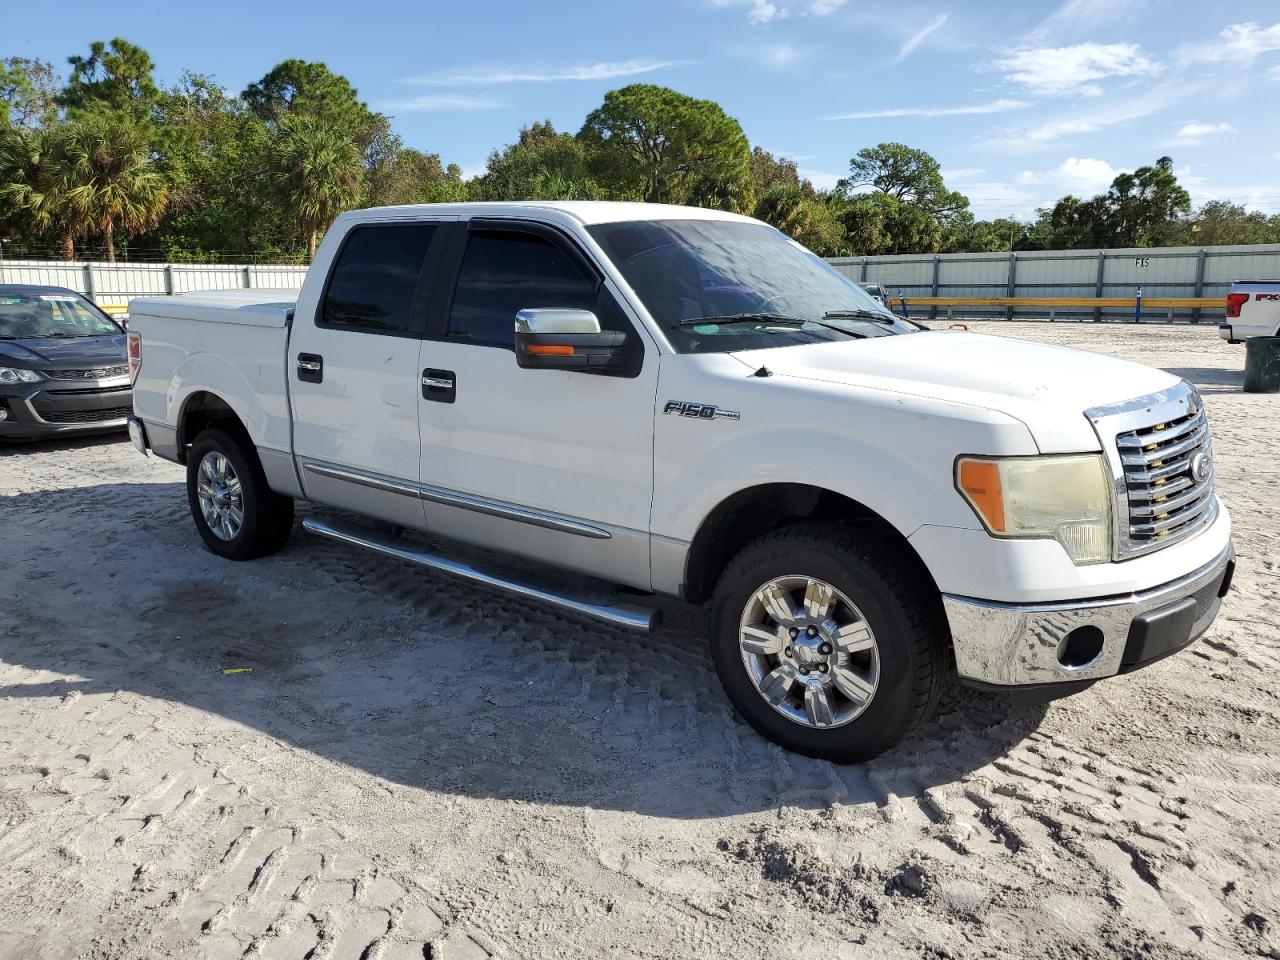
x=701, y=411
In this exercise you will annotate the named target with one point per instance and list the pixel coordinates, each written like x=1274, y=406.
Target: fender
x=209, y=373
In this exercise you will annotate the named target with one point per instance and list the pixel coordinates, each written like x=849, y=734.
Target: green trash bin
x=1262, y=365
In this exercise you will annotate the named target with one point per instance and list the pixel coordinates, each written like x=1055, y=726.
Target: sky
x=1020, y=101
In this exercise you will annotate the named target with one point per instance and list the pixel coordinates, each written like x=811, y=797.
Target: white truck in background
x=686, y=402
x=1253, y=310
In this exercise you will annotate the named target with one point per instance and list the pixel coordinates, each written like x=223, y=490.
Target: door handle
x=310, y=367
x=439, y=385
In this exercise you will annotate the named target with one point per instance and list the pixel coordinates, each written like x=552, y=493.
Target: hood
x=64, y=353
x=1047, y=388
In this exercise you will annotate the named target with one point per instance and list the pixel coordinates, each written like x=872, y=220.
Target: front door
x=353, y=371
x=550, y=464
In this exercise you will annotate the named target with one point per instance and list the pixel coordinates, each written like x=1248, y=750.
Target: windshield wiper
x=745, y=318
x=860, y=314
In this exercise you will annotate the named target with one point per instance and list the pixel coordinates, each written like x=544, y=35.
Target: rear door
x=551, y=464
x=353, y=371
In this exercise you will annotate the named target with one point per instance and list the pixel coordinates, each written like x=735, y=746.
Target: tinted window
x=504, y=272
x=373, y=284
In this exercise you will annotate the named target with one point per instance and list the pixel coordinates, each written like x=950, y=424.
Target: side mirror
x=551, y=339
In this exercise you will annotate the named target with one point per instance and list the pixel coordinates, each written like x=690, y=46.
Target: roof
x=585, y=211
x=36, y=290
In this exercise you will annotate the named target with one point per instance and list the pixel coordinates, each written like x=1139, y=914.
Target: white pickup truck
x=1253, y=310
x=684, y=402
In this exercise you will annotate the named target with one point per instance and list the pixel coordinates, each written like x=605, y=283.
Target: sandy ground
x=418, y=768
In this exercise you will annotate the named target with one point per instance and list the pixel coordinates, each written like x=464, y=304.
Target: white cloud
x=486, y=75
x=1055, y=71
x=995, y=106
x=1082, y=176
x=1082, y=16
x=777, y=55
x=1238, y=43
x=1192, y=134
x=820, y=178
x=919, y=36
x=1105, y=114
x=434, y=103
x=760, y=12
x=962, y=173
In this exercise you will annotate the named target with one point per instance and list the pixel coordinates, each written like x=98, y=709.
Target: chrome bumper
x=138, y=434
x=1020, y=645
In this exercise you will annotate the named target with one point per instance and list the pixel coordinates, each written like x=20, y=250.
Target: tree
x=114, y=77
x=102, y=170
x=771, y=173
x=1141, y=203
x=652, y=143
x=301, y=87
x=1223, y=222
x=397, y=174
x=984, y=236
x=27, y=93
x=542, y=164
x=803, y=218
x=908, y=175
x=318, y=174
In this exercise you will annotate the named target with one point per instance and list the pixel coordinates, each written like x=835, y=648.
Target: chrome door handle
x=437, y=383
x=439, y=386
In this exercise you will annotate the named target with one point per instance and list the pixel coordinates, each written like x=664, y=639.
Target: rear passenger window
x=503, y=272
x=373, y=284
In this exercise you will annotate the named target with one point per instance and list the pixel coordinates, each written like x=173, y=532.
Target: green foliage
x=804, y=218
x=651, y=143
x=541, y=165
x=101, y=169
x=114, y=77
x=28, y=93
x=317, y=173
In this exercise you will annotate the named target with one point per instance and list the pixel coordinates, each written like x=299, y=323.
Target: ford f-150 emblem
x=1201, y=467
x=702, y=411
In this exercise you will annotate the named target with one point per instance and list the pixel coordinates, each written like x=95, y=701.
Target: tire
x=266, y=517
x=874, y=594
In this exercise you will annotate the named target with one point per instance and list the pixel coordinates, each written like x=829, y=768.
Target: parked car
x=878, y=292
x=1253, y=310
x=682, y=401
x=62, y=365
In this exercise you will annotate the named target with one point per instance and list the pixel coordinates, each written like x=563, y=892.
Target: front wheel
x=237, y=515
x=825, y=644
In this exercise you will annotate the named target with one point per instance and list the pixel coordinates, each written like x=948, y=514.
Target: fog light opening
x=1079, y=648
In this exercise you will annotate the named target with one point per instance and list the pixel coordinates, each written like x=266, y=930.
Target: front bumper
x=1005, y=645
x=52, y=408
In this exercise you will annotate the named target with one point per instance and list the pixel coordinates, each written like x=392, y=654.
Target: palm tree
x=28, y=192
x=318, y=175
x=102, y=166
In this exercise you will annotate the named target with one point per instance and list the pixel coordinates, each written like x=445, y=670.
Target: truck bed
x=230, y=342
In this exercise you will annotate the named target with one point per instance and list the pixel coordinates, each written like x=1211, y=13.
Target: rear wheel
x=825, y=644
x=236, y=514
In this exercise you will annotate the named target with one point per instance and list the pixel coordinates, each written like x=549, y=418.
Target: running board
x=632, y=617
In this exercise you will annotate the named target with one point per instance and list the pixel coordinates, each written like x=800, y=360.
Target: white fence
x=115, y=284
x=1158, y=271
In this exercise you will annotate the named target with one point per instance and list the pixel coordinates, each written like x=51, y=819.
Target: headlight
x=1065, y=498
x=11, y=375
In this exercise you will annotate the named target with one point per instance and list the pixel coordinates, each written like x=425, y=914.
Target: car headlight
x=11, y=375
x=1065, y=498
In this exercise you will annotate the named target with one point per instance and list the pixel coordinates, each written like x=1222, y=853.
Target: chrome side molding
x=465, y=501
x=629, y=616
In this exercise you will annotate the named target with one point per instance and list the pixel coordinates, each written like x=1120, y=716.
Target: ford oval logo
x=1201, y=467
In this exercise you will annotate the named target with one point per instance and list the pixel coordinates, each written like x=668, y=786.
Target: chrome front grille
x=1162, y=458
x=1168, y=472
x=96, y=373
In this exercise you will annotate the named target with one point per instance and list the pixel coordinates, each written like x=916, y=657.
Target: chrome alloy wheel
x=221, y=500
x=809, y=651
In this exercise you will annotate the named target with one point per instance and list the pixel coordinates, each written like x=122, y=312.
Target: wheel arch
x=200, y=410
x=752, y=512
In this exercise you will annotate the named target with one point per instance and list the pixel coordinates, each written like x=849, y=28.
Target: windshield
x=51, y=315
x=719, y=285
